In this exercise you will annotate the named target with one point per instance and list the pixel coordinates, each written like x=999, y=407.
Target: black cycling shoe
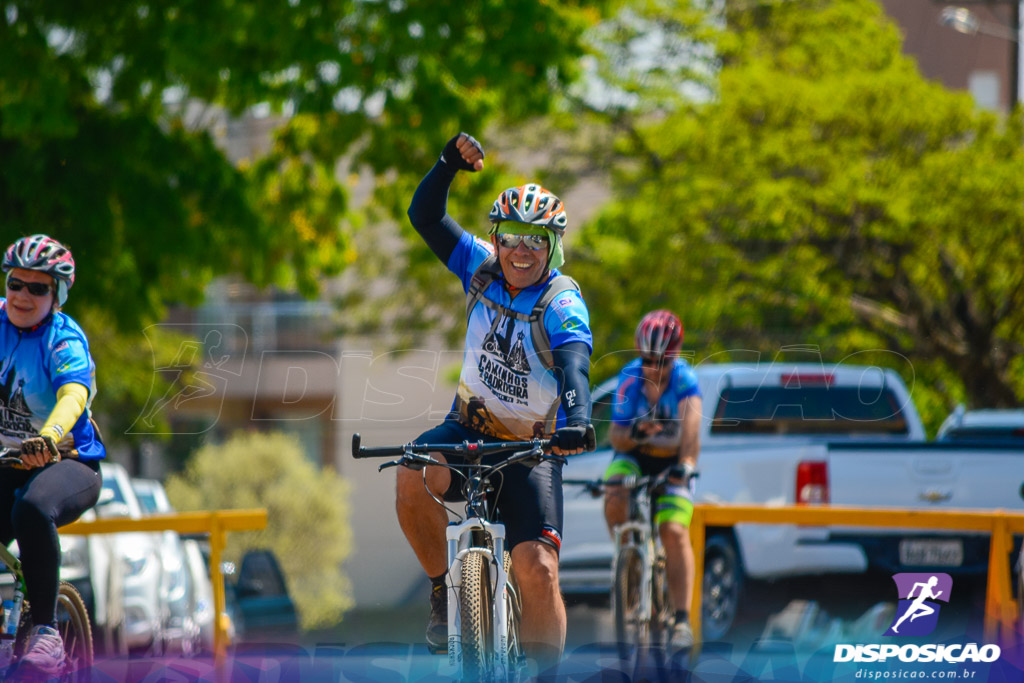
x=437, y=626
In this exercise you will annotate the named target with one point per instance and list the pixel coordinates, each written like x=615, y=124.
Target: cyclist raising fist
x=525, y=374
x=47, y=381
x=655, y=423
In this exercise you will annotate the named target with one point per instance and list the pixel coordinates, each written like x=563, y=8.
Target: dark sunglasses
x=34, y=288
x=654, y=362
x=511, y=241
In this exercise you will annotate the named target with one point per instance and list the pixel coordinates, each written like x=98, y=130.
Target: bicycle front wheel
x=631, y=623
x=513, y=616
x=75, y=631
x=476, y=610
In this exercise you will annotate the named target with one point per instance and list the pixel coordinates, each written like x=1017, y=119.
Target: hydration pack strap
x=490, y=271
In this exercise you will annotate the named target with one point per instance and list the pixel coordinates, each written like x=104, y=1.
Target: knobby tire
x=631, y=627
x=476, y=611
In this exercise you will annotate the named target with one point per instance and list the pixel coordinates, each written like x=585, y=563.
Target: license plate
x=931, y=553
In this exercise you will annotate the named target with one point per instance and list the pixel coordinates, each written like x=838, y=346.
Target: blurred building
x=983, y=62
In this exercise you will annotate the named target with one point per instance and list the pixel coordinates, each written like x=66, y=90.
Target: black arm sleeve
x=572, y=367
x=428, y=212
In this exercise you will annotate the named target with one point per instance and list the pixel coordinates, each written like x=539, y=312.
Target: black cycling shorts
x=529, y=500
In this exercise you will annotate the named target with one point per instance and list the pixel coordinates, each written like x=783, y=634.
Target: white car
x=139, y=554
x=187, y=589
x=994, y=424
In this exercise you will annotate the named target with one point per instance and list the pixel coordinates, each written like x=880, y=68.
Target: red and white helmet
x=659, y=334
x=47, y=255
x=530, y=204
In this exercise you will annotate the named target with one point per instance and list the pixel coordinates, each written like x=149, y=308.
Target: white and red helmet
x=46, y=255
x=659, y=334
x=530, y=204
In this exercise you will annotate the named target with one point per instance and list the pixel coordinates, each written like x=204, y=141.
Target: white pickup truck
x=785, y=433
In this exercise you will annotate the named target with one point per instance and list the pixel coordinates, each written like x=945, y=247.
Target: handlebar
x=468, y=449
x=10, y=457
x=596, y=487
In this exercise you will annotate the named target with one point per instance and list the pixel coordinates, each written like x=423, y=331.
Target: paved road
x=386, y=646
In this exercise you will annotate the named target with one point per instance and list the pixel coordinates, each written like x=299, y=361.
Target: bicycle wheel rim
x=75, y=630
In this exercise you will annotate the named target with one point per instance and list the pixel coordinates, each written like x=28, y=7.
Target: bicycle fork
x=459, y=537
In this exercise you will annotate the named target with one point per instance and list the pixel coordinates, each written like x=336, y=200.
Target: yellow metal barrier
x=1000, y=608
x=216, y=524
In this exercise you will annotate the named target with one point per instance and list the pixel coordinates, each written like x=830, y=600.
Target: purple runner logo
x=918, y=613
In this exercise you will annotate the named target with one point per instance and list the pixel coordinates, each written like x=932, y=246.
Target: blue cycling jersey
x=34, y=364
x=631, y=403
x=504, y=389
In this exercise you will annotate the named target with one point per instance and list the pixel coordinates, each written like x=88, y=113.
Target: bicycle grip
x=378, y=452
x=590, y=439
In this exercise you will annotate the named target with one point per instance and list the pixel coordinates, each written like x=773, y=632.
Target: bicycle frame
x=10, y=627
x=459, y=536
x=638, y=530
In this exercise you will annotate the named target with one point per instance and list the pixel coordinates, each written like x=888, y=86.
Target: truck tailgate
x=931, y=476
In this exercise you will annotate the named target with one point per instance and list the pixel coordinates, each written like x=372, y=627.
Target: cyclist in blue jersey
x=47, y=382
x=525, y=374
x=655, y=427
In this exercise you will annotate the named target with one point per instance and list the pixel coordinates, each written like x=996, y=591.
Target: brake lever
x=530, y=458
x=414, y=461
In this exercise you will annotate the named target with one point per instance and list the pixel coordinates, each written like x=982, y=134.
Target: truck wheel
x=723, y=584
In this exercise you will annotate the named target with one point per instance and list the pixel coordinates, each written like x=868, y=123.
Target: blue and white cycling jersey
x=631, y=403
x=34, y=364
x=504, y=390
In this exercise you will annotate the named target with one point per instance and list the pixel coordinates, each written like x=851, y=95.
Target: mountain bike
x=641, y=605
x=16, y=619
x=484, y=603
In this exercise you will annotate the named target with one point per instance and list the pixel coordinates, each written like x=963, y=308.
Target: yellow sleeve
x=71, y=399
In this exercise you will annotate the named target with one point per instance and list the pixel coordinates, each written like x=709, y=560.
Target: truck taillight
x=812, y=483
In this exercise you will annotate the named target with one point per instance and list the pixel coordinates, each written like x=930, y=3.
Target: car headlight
x=135, y=564
x=75, y=556
x=176, y=584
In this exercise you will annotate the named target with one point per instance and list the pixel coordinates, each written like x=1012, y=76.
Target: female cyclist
x=47, y=382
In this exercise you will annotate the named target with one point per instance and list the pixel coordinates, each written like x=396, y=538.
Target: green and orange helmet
x=530, y=204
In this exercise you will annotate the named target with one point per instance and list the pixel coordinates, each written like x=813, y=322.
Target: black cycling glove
x=570, y=438
x=453, y=158
x=684, y=471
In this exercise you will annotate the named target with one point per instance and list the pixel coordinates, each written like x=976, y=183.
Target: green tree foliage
x=106, y=143
x=307, y=516
x=112, y=119
x=125, y=377
x=826, y=195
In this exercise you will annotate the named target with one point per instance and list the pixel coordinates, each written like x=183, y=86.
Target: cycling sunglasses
x=511, y=240
x=34, y=288
x=654, y=362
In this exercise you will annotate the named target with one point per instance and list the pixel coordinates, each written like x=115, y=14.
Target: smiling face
x=521, y=265
x=24, y=308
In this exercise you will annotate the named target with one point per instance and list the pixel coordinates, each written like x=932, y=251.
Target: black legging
x=38, y=502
